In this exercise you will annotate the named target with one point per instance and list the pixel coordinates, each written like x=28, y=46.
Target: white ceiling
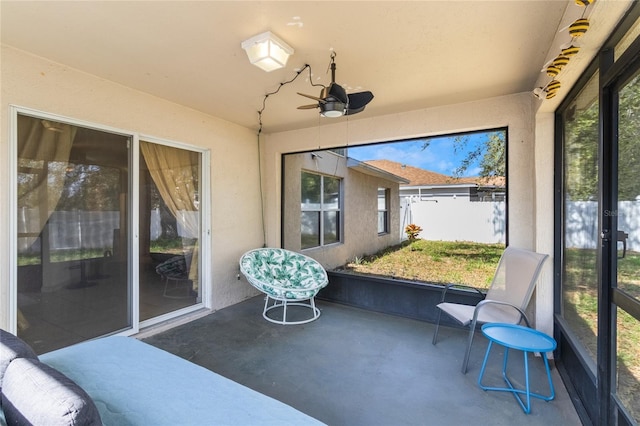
x=410, y=54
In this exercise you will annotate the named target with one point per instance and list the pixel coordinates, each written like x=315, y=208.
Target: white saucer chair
x=287, y=278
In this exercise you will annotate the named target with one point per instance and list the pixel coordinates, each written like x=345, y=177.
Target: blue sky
x=440, y=156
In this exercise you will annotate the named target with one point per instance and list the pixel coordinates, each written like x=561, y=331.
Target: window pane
x=628, y=233
x=331, y=199
x=382, y=222
x=170, y=229
x=382, y=198
x=331, y=227
x=310, y=229
x=310, y=191
x=383, y=214
x=580, y=279
x=628, y=259
x=628, y=363
x=73, y=196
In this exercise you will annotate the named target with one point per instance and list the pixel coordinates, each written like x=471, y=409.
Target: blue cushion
x=12, y=347
x=37, y=394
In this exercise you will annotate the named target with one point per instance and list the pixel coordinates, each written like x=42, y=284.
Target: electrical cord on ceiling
x=264, y=100
x=264, y=104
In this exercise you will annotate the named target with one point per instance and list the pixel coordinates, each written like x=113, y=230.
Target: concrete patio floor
x=355, y=367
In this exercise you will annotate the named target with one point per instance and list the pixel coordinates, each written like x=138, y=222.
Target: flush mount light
x=267, y=51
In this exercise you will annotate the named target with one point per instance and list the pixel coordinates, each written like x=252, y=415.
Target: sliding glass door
x=626, y=287
x=580, y=205
x=169, y=229
x=72, y=232
x=598, y=256
x=87, y=266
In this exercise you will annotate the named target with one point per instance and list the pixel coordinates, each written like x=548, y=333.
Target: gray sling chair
x=506, y=299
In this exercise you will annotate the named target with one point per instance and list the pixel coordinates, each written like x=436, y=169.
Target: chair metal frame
x=178, y=273
x=494, y=306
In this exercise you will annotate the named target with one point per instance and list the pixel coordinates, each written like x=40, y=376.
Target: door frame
x=133, y=218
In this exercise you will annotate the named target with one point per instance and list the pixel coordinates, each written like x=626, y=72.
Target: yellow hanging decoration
x=553, y=87
x=570, y=51
x=579, y=27
x=552, y=70
x=560, y=61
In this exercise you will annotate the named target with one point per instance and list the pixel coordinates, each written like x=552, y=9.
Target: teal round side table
x=526, y=340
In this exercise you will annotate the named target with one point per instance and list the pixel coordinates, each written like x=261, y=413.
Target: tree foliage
x=581, y=146
x=629, y=141
x=581, y=151
x=489, y=154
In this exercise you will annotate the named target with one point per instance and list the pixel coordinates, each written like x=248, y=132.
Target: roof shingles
x=419, y=177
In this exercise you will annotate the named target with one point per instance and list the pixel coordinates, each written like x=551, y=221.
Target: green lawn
x=434, y=262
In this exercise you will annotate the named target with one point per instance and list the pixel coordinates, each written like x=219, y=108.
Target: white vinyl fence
x=455, y=219
x=86, y=229
x=458, y=219
x=583, y=219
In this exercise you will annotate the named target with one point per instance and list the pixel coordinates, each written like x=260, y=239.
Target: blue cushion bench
x=133, y=383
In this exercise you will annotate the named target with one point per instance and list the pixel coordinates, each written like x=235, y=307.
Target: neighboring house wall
x=359, y=209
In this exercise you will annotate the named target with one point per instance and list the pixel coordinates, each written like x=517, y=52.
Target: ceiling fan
x=334, y=100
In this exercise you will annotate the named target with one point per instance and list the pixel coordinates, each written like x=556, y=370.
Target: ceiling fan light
x=332, y=109
x=267, y=51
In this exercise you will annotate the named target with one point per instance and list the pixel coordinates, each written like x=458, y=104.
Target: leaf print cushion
x=283, y=274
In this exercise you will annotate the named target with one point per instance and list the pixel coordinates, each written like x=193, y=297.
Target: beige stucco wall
x=527, y=176
x=359, y=209
x=544, y=160
x=32, y=82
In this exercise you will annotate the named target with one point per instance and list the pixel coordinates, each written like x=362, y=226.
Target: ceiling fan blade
x=314, y=106
x=337, y=92
x=357, y=101
x=315, y=98
x=351, y=111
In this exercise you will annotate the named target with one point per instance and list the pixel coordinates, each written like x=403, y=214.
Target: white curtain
x=172, y=170
x=43, y=153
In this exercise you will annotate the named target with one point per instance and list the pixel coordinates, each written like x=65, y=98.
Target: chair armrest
x=448, y=286
x=485, y=302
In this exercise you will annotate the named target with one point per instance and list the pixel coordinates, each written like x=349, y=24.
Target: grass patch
x=441, y=262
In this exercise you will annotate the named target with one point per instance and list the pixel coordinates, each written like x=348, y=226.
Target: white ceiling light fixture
x=267, y=51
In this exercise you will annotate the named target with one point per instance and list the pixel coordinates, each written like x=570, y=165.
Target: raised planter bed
x=403, y=298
